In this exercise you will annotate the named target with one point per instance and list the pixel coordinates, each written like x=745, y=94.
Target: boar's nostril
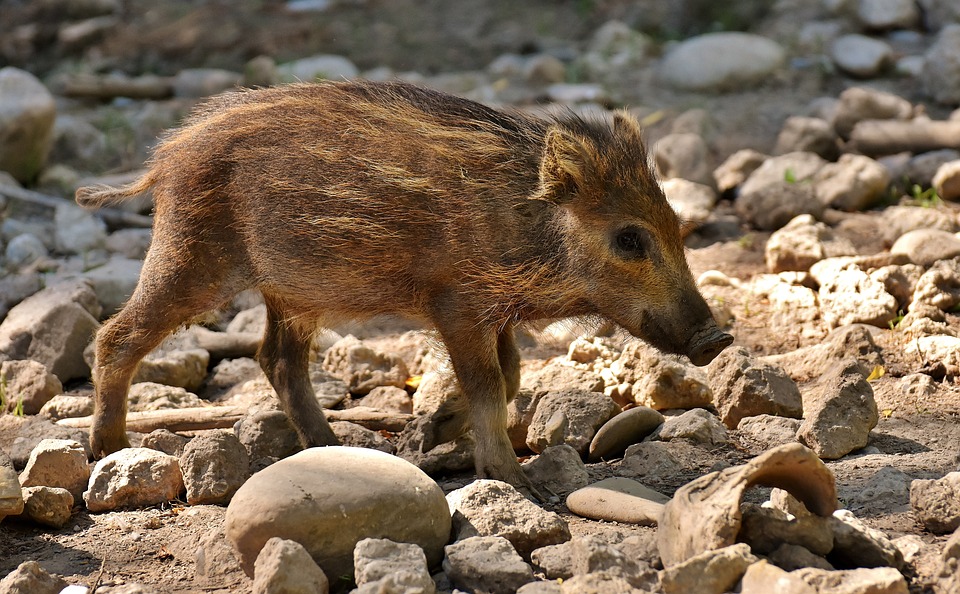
x=707, y=347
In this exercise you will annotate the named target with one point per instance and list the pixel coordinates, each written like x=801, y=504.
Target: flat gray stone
x=618, y=500
x=622, y=431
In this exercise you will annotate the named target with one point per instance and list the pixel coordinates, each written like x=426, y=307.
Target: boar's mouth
x=707, y=343
x=701, y=347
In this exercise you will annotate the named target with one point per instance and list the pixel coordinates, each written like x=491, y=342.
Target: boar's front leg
x=284, y=357
x=486, y=362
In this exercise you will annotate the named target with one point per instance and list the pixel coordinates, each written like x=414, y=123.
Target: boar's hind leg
x=284, y=357
x=478, y=355
x=167, y=296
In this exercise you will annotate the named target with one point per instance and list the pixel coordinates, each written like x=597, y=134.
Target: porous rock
x=57, y=463
x=330, y=498
x=352, y=434
x=745, y=387
x=64, y=406
x=133, y=477
x=853, y=183
x=381, y=565
x=660, y=382
x=28, y=385
x=801, y=243
x=486, y=564
x=939, y=286
x=558, y=469
x=53, y=327
x=185, y=369
x=363, y=368
x=153, y=396
x=285, y=567
x=697, y=426
x=766, y=528
x=618, y=499
x=711, y=572
x=937, y=502
x=557, y=375
x=214, y=466
x=593, y=555
x=569, y=417
x=267, y=434
x=11, y=495
x=494, y=508
x=768, y=431
x=857, y=545
x=49, y=506
x=166, y=441
x=763, y=578
x=737, y=168
x=30, y=578
x=880, y=580
x=848, y=295
x=554, y=561
x=839, y=412
x=812, y=362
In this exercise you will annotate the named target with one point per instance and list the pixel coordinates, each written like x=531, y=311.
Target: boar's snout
x=706, y=344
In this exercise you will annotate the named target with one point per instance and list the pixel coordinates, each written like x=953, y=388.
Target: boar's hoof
x=704, y=514
x=104, y=443
x=705, y=346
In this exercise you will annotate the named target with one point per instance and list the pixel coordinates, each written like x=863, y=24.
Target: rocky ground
x=815, y=153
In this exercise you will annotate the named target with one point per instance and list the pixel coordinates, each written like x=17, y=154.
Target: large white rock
x=330, y=498
x=721, y=61
x=133, y=477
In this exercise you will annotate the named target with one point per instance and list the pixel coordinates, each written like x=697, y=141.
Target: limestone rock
x=486, y=564
x=558, y=469
x=927, y=246
x=381, y=565
x=660, y=382
x=494, y=508
x=686, y=157
x=710, y=572
x=813, y=135
x=839, y=412
x=267, y=434
x=853, y=183
x=767, y=431
x=763, y=578
x=214, y=466
x=153, y=396
x=179, y=368
x=848, y=295
x=571, y=417
x=11, y=495
x=881, y=580
x=857, y=545
x=937, y=502
x=697, y=425
x=29, y=384
x=30, y=578
x=57, y=463
x=946, y=181
x=285, y=567
x=133, y=477
x=746, y=387
x=49, y=506
x=363, y=368
x=862, y=103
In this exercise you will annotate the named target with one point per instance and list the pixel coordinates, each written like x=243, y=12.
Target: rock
x=803, y=242
x=592, y=555
x=558, y=469
x=597, y=583
x=941, y=68
x=23, y=250
x=763, y=578
x=49, y=506
x=768, y=431
x=53, y=327
x=618, y=500
x=888, y=14
x=20, y=435
x=362, y=368
x=848, y=295
x=133, y=477
x=11, y=496
x=381, y=565
x=130, y=243
x=577, y=93
x=810, y=135
x=684, y=156
x=57, y=463
x=710, y=572
x=937, y=502
x=494, y=508
x=267, y=434
x=76, y=231
x=809, y=363
x=897, y=220
x=178, y=368
x=946, y=182
x=214, y=466
x=445, y=458
x=486, y=564
x=64, y=406
x=948, y=578
x=922, y=168
x=27, y=114
x=790, y=557
x=899, y=281
x=330, y=498
x=351, y=434
x=554, y=561
x=839, y=412
x=857, y=545
x=114, y=282
x=721, y=61
x=882, y=580
x=28, y=385
x=765, y=529
x=658, y=381
x=571, y=417
x=538, y=587
x=926, y=246
x=30, y=578
x=150, y=396
x=285, y=567
x=557, y=376
x=939, y=286
x=623, y=430
x=861, y=56
x=693, y=202
x=888, y=490
x=853, y=183
x=319, y=67
x=862, y=103
x=737, y=168
x=705, y=515
x=941, y=352
x=775, y=192
x=653, y=460
x=165, y=441
x=204, y=82
x=697, y=425
x=746, y=387
x=389, y=399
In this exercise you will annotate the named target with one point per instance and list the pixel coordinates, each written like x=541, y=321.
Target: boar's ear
x=564, y=166
x=626, y=126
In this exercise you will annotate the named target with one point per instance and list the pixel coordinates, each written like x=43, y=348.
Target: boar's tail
x=97, y=196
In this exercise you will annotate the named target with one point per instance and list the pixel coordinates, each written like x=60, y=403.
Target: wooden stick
x=109, y=87
x=112, y=216
x=224, y=417
x=886, y=137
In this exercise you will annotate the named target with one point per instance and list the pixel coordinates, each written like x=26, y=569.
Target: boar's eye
x=630, y=244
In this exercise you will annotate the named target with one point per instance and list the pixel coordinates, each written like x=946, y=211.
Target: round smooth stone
x=618, y=499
